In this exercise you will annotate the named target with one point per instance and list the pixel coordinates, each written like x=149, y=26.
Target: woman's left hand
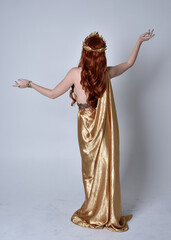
x=146, y=36
x=23, y=83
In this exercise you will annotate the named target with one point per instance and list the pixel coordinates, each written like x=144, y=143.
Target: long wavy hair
x=93, y=73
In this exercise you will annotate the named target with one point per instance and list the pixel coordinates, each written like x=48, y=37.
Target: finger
x=148, y=31
x=152, y=36
x=146, y=38
x=145, y=34
x=152, y=32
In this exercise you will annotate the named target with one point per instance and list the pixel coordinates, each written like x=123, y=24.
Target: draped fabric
x=98, y=137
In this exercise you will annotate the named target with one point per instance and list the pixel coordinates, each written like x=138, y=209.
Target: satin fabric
x=98, y=137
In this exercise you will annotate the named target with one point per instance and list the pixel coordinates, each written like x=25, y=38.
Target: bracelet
x=28, y=84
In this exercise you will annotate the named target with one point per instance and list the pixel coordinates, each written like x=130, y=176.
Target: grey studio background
x=40, y=164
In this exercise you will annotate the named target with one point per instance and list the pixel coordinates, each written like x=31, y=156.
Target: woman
x=98, y=131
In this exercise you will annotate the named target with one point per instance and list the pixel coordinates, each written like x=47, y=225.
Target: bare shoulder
x=76, y=74
x=76, y=69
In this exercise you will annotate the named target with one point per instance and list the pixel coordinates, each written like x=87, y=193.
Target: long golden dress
x=98, y=137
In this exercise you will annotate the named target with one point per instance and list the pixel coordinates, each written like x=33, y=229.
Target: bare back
x=81, y=95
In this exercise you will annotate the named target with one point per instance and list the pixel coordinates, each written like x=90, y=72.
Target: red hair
x=93, y=74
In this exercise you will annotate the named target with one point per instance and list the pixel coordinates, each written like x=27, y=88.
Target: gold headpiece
x=89, y=48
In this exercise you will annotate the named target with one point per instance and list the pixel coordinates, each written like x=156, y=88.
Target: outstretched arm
x=60, y=89
x=117, y=70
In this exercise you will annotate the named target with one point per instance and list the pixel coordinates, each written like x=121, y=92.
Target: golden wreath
x=87, y=48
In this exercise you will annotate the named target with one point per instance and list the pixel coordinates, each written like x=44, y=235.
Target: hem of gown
x=82, y=223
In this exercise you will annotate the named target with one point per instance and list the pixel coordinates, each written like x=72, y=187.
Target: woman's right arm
x=117, y=70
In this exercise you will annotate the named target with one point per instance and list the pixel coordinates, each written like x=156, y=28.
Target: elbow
x=52, y=96
x=130, y=64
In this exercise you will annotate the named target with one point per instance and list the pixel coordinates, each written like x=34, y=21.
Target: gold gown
x=98, y=137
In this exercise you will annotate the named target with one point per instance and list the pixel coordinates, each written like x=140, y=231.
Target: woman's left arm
x=117, y=70
x=144, y=37
x=60, y=89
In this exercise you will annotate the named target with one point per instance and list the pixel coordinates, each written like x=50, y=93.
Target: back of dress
x=98, y=137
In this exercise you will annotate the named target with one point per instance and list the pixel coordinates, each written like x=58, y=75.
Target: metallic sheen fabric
x=98, y=137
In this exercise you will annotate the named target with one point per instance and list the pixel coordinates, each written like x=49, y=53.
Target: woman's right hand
x=146, y=36
x=23, y=83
